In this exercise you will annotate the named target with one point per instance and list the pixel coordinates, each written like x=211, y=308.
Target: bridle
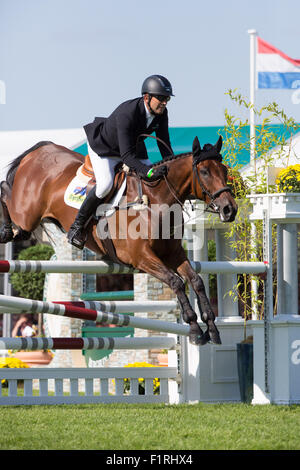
x=205, y=191
x=208, y=155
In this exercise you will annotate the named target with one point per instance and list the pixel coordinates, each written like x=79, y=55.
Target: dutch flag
x=274, y=68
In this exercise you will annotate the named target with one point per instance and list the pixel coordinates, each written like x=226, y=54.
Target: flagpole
x=253, y=34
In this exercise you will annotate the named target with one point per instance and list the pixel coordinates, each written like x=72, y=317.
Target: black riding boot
x=76, y=235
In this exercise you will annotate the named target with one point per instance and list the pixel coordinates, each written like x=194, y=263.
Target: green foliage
x=244, y=236
x=31, y=285
x=211, y=252
x=266, y=138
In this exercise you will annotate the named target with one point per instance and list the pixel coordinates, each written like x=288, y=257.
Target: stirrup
x=76, y=237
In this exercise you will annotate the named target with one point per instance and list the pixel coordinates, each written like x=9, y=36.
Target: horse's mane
x=171, y=158
x=13, y=166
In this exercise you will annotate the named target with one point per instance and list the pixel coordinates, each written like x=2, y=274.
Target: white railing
x=33, y=386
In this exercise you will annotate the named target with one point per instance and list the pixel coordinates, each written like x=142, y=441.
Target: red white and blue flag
x=274, y=68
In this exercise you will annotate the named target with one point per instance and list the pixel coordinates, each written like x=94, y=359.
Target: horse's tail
x=13, y=166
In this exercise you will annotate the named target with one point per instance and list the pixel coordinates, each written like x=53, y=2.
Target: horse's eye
x=204, y=172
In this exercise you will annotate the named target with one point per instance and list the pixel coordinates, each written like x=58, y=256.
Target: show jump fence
x=96, y=383
x=101, y=267
x=107, y=312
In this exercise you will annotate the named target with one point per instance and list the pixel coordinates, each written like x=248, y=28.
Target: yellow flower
x=288, y=179
x=11, y=363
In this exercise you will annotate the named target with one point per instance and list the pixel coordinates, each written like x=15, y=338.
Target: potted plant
x=245, y=368
x=162, y=358
x=34, y=358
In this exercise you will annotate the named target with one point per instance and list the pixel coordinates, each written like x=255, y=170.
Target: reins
x=156, y=138
x=212, y=196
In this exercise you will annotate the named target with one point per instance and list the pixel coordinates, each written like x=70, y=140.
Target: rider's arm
x=163, y=133
x=127, y=145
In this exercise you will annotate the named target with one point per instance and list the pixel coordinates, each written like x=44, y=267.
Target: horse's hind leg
x=6, y=231
x=207, y=315
x=151, y=264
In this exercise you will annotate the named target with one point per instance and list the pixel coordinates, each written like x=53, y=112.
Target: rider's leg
x=104, y=173
x=76, y=235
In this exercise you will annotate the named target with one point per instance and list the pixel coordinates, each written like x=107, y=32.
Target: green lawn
x=150, y=427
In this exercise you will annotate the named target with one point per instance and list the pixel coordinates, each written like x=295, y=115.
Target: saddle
x=121, y=170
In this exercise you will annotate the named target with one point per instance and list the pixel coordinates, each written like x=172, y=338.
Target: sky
x=63, y=62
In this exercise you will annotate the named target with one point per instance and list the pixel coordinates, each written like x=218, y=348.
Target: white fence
x=33, y=386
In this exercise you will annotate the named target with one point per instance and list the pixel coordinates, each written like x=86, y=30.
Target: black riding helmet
x=157, y=85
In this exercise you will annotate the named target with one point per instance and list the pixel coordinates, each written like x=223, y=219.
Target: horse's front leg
x=151, y=264
x=207, y=315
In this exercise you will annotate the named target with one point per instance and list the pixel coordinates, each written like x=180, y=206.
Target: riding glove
x=157, y=173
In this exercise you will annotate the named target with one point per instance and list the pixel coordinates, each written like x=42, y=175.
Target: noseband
x=205, y=191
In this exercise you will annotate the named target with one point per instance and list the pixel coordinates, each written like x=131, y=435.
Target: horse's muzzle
x=228, y=212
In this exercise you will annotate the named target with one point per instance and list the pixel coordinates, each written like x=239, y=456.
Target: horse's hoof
x=22, y=236
x=6, y=234
x=215, y=336
x=197, y=337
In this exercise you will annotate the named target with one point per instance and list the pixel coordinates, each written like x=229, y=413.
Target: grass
x=150, y=427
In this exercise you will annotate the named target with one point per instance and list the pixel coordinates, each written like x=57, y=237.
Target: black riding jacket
x=118, y=134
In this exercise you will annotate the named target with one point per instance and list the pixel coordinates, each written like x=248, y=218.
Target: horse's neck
x=180, y=177
x=177, y=188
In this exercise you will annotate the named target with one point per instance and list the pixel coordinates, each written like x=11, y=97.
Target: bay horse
x=34, y=192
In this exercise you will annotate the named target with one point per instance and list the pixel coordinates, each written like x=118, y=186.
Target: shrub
x=31, y=285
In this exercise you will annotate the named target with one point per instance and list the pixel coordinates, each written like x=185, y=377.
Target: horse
x=33, y=193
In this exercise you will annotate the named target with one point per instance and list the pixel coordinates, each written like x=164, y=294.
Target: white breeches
x=104, y=171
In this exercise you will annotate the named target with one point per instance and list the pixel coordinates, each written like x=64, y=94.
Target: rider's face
x=157, y=104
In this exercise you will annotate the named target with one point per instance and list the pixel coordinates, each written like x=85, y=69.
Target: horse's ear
x=218, y=145
x=196, y=147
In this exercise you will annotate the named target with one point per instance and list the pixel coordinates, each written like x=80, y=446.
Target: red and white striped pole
x=34, y=344
x=21, y=305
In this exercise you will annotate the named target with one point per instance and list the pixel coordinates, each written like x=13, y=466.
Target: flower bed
x=11, y=363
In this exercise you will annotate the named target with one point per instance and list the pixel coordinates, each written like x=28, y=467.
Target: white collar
x=149, y=116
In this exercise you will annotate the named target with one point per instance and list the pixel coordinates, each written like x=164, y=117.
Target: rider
x=118, y=138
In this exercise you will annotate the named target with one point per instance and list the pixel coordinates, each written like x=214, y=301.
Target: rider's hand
x=155, y=174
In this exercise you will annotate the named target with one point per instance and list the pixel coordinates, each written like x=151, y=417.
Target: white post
x=253, y=34
x=227, y=307
x=290, y=268
x=7, y=291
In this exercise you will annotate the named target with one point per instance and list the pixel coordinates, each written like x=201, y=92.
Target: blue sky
x=65, y=61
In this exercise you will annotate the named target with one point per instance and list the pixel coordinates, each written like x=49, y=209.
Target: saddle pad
x=75, y=193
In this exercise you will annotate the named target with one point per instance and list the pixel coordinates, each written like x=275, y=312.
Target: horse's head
x=209, y=180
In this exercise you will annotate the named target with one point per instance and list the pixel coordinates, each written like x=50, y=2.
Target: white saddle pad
x=75, y=193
